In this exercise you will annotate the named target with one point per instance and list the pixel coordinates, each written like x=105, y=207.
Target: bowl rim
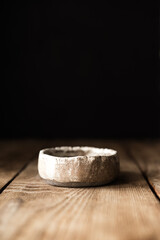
x=101, y=152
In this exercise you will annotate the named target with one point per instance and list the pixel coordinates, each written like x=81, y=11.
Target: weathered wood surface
x=125, y=209
x=14, y=155
x=147, y=156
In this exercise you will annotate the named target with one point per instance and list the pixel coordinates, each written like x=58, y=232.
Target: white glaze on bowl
x=78, y=166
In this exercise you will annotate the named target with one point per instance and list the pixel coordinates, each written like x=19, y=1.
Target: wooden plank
x=147, y=156
x=125, y=209
x=13, y=157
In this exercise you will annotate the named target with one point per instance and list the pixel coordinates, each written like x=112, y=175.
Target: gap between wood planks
x=15, y=156
x=17, y=174
x=132, y=157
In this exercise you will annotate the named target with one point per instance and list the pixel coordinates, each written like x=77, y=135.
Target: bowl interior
x=78, y=151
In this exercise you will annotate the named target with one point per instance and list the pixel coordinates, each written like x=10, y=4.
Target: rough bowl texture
x=78, y=166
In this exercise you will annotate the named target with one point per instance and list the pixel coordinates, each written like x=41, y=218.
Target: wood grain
x=125, y=209
x=147, y=156
x=14, y=155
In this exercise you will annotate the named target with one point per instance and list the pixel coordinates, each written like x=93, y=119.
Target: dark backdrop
x=80, y=70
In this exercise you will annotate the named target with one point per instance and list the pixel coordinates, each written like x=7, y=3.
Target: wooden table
x=129, y=208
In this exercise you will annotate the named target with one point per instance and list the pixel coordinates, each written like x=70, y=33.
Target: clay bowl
x=78, y=166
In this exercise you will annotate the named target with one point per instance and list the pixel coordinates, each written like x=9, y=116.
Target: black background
x=80, y=70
